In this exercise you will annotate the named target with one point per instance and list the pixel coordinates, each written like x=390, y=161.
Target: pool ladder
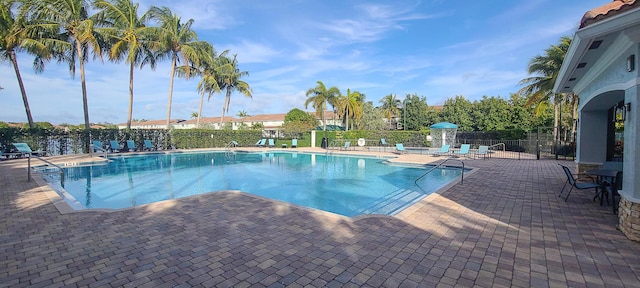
x=57, y=169
x=439, y=165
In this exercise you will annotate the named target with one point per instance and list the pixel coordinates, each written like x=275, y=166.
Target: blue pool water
x=346, y=185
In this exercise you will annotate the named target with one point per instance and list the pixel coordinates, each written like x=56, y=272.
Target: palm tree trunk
x=173, y=72
x=200, y=110
x=225, y=105
x=131, y=66
x=14, y=61
x=85, y=102
x=346, y=115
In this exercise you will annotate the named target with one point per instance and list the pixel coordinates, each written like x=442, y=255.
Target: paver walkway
x=503, y=227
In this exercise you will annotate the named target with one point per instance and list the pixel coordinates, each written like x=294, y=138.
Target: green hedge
x=62, y=142
x=408, y=138
x=204, y=138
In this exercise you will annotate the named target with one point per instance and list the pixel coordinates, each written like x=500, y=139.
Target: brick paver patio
x=503, y=227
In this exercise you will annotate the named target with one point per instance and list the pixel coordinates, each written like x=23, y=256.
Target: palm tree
x=319, y=96
x=179, y=42
x=208, y=71
x=242, y=113
x=129, y=38
x=208, y=83
x=390, y=106
x=539, y=89
x=350, y=106
x=13, y=30
x=76, y=36
x=230, y=81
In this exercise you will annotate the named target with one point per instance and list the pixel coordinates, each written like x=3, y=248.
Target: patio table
x=601, y=175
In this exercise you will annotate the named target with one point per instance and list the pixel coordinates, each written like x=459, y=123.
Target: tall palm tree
x=230, y=80
x=319, y=96
x=13, y=31
x=129, y=38
x=350, y=106
x=177, y=41
x=539, y=89
x=208, y=83
x=390, y=106
x=75, y=39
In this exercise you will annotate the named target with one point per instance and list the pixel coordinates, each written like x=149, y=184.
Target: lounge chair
x=464, y=150
x=383, y=142
x=114, y=146
x=97, y=146
x=23, y=148
x=571, y=180
x=234, y=143
x=271, y=143
x=444, y=150
x=346, y=146
x=10, y=155
x=294, y=143
x=131, y=145
x=483, y=151
x=148, y=146
x=261, y=142
x=400, y=148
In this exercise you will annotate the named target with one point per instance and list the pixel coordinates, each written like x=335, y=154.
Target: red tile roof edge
x=608, y=10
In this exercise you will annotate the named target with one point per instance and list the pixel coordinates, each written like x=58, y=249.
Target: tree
x=297, y=121
x=539, y=89
x=350, y=106
x=417, y=112
x=230, y=80
x=177, y=41
x=129, y=38
x=318, y=97
x=458, y=111
x=490, y=113
x=242, y=113
x=76, y=36
x=521, y=117
x=208, y=70
x=371, y=118
x=13, y=30
x=390, y=108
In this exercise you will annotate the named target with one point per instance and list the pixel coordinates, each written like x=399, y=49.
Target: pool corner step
x=394, y=202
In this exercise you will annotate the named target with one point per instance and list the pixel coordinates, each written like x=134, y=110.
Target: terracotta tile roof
x=608, y=10
x=263, y=117
x=208, y=120
x=152, y=122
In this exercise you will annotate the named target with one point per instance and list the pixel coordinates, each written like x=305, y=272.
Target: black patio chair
x=613, y=189
x=571, y=180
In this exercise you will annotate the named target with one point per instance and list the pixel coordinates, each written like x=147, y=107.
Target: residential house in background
x=271, y=123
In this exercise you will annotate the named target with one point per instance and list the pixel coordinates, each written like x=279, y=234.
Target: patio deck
x=503, y=227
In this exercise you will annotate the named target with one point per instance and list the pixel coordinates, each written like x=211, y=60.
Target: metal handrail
x=231, y=144
x=439, y=165
x=495, y=145
x=100, y=149
x=45, y=161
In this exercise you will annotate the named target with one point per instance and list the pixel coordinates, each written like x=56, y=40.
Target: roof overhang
x=593, y=49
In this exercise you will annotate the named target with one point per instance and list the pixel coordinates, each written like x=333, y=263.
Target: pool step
x=394, y=202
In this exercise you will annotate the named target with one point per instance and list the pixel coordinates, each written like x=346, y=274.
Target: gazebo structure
x=601, y=67
x=443, y=133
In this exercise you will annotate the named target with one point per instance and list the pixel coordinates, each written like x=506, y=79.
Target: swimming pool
x=346, y=185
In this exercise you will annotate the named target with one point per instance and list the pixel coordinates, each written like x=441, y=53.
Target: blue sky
x=434, y=48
